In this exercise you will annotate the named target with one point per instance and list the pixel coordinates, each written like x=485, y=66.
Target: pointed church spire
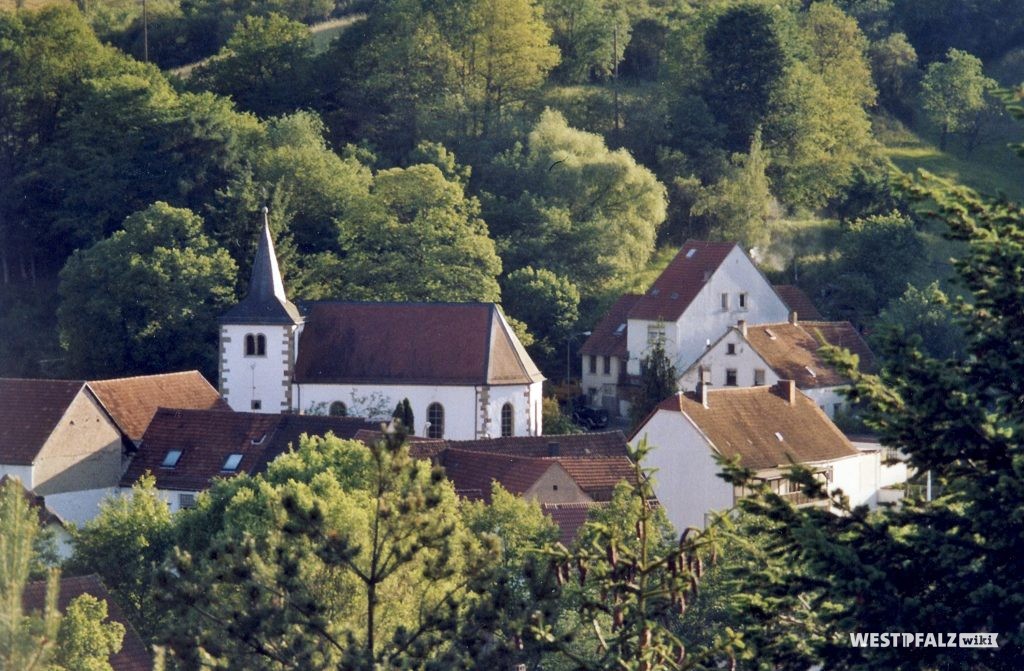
x=265, y=302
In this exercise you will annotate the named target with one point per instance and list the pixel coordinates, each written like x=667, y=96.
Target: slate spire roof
x=265, y=302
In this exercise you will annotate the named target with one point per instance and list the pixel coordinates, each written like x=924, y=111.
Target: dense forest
x=548, y=155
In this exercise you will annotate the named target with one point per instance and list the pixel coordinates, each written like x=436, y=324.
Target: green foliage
x=147, y=299
x=555, y=421
x=85, y=642
x=635, y=579
x=26, y=641
x=124, y=545
x=745, y=64
x=738, y=204
x=321, y=565
x=894, y=70
x=264, y=68
x=949, y=564
x=403, y=413
x=926, y=316
x=954, y=93
x=549, y=305
x=422, y=240
x=570, y=205
x=592, y=36
x=658, y=381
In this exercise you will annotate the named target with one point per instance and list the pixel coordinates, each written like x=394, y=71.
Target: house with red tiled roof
x=69, y=440
x=460, y=365
x=134, y=655
x=703, y=291
x=767, y=429
x=749, y=355
x=185, y=450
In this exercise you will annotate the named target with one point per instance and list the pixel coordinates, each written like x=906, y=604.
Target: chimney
x=742, y=326
x=792, y=317
x=787, y=390
x=703, y=383
x=554, y=449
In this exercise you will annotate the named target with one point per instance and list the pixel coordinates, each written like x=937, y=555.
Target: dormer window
x=171, y=459
x=231, y=463
x=255, y=345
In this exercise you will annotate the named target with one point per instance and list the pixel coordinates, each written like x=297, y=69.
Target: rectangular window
x=725, y=301
x=730, y=349
x=655, y=334
x=256, y=405
x=231, y=463
x=730, y=377
x=171, y=458
x=743, y=301
x=593, y=364
x=186, y=501
x=607, y=365
x=759, y=377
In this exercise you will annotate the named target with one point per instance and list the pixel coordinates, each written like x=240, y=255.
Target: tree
x=737, y=206
x=950, y=563
x=556, y=422
x=954, y=92
x=894, y=69
x=635, y=579
x=423, y=240
x=568, y=204
x=147, y=299
x=26, y=642
x=340, y=556
x=549, y=305
x=658, y=381
x=137, y=530
x=927, y=316
x=592, y=36
x=745, y=64
x=403, y=413
x=264, y=67
x=84, y=641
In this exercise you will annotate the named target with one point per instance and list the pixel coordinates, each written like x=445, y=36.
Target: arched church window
x=255, y=345
x=435, y=420
x=507, y=420
x=338, y=409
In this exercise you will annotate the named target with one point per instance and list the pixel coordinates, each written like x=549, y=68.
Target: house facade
x=707, y=288
x=749, y=355
x=766, y=429
x=460, y=365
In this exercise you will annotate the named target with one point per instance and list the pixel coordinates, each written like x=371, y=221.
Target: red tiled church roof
x=411, y=343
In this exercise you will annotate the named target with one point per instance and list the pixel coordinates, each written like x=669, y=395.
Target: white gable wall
x=704, y=320
x=686, y=481
x=745, y=361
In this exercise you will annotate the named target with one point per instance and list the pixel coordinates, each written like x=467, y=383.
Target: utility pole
x=145, y=32
x=615, y=68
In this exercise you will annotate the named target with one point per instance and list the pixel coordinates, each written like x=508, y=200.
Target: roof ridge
x=144, y=376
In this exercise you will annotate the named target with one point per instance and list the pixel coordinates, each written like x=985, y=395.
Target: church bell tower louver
x=258, y=337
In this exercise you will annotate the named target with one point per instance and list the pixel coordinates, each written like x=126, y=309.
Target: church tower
x=257, y=339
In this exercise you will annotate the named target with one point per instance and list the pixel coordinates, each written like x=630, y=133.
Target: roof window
x=620, y=328
x=768, y=332
x=691, y=252
x=231, y=463
x=779, y=436
x=171, y=459
x=808, y=369
x=655, y=291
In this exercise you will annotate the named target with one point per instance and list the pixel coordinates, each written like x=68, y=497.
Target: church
x=460, y=365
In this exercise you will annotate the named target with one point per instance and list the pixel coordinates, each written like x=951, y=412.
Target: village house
x=706, y=288
x=460, y=365
x=185, y=450
x=134, y=655
x=69, y=440
x=767, y=429
x=751, y=355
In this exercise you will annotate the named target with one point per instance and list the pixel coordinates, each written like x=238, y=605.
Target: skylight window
x=768, y=332
x=621, y=327
x=808, y=369
x=655, y=291
x=675, y=295
x=171, y=458
x=690, y=253
x=231, y=463
x=779, y=436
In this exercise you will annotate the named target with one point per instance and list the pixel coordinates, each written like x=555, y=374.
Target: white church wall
x=247, y=381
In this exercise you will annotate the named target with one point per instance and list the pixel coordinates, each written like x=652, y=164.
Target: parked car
x=587, y=417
